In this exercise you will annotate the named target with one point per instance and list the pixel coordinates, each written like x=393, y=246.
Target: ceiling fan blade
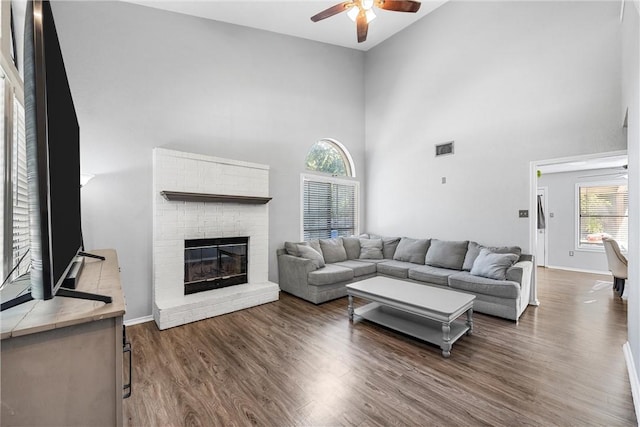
x=362, y=26
x=333, y=10
x=399, y=5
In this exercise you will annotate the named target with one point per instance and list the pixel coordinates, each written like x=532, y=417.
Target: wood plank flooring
x=294, y=363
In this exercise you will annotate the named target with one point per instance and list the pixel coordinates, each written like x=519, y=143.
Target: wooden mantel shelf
x=213, y=198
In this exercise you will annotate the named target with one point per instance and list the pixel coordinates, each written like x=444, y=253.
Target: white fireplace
x=204, y=197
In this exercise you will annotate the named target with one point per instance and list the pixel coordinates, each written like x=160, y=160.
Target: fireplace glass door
x=214, y=263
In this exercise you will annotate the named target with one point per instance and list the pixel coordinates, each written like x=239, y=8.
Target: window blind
x=330, y=209
x=19, y=192
x=604, y=210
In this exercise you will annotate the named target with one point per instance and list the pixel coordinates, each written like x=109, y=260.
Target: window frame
x=606, y=183
x=325, y=178
x=344, y=153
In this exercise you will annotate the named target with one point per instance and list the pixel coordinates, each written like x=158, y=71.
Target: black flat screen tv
x=53, y=155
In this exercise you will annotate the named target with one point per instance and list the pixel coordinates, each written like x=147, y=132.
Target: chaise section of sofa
x=499, y=277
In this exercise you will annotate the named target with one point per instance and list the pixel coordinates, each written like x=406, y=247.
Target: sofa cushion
x=360, y=268
x=329, y=275
x=352, y=247
x=395, y=268
x=411, y=250
x=446, y=254
x=464, y=281
x=427, y=273
x=389, y=246
x=292, y=248
x=309, y=253
x=473, y=250
x=492, y=265
x=371, y=249
x=333, y=250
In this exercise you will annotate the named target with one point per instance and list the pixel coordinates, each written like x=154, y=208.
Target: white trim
x=580, y=270
x=576, y=218
x=622, y=2
x=334, y=180
x=138, y=320
x=633, y=377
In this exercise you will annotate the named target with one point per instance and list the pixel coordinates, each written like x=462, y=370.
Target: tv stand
x=62, y=359
x=72, y=293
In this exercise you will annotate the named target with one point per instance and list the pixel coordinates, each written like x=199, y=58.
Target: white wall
x=631, y=101
x=144, y=78
x=561, y=228
x=509, y=82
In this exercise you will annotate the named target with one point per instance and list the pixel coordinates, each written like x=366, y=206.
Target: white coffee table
x=425, y=312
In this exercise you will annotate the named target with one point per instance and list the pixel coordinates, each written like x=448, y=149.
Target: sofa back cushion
x=390, y=246
x=371, y=249
x=446, y=254
x=474, y=250
x=492, y=265
x=305, y=251
x=333, y=250
x=411, y=250
x=352, y=246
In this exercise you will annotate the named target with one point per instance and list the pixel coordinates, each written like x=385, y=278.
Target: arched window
x=329, y=156
x=329, y=203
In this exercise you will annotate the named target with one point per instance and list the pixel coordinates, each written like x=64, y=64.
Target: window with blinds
x=330, y=208
x=603, y=211
x=19, y=192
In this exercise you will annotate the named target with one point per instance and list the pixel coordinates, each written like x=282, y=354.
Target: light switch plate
x=523, y=213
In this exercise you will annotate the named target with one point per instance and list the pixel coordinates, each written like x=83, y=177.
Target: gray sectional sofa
x=499, y=277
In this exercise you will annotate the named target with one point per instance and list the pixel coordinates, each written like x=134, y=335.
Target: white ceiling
x=292, y=17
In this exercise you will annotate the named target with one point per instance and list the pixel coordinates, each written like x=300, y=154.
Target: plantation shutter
x=21, y=239
x=329, y=209
x=604, y=210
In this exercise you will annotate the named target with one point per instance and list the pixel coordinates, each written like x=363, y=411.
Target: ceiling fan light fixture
x=353, y=13
x=370, y=15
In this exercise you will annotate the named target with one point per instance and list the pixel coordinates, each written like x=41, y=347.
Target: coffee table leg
x=470, y=321
x=446, y=340
x=350, y=308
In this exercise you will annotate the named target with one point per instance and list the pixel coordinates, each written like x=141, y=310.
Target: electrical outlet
x=570, y=253
x=551, y=215
x=523, y=213
x=444, y=179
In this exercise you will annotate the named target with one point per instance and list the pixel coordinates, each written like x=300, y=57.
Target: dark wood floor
x=294, y=363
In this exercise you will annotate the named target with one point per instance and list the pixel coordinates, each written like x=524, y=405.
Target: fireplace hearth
x=214, y=263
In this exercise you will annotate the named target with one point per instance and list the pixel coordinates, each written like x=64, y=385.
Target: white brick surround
x=175, y=221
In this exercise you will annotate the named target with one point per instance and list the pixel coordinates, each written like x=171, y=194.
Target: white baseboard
x=139, y=320
x=633, y=377
x=580, y=270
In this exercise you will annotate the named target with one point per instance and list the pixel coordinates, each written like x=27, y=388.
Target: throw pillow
x=292, y=247
x=371, y=249
x=309, y=253
x=333, y=250
x=352, y=246
x=446, y=254
x=492, y=265
x=411, y=250
x=474, y=250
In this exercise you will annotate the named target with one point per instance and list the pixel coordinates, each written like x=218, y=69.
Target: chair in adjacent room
x=617, y=264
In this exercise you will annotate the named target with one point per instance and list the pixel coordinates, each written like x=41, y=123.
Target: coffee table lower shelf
x=416, y=326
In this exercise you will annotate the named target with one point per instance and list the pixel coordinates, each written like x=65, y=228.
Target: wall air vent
x=444, y=149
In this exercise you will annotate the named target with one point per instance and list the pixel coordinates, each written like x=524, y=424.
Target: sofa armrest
x=293, y=274
x=521, y=272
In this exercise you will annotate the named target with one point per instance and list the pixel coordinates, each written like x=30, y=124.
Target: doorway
x=542, y=224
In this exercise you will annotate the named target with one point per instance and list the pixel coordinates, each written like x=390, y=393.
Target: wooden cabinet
x=62, y=359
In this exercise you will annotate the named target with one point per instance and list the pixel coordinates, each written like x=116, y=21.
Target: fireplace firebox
x=214, y=263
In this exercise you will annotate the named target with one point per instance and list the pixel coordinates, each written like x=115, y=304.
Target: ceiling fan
x=361, y=11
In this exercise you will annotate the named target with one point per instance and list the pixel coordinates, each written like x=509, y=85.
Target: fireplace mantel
x=213, y=198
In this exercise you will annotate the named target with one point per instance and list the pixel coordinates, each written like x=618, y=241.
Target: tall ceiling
x=291, y=17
